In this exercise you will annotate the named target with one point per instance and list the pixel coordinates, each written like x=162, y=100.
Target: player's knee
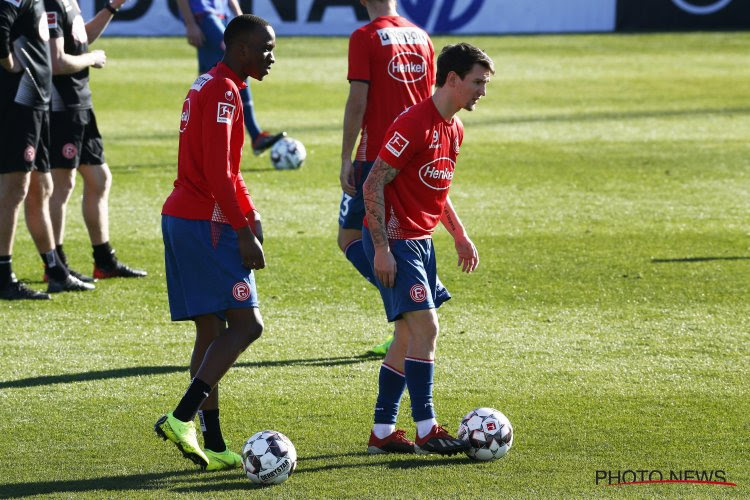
x=251, y=333
x=13, y=193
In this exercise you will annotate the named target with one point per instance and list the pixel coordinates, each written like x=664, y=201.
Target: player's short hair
x=460, y=58
x=246, y=23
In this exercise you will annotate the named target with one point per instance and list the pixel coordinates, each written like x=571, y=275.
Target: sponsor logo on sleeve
x=225, y=113
x=407, y=67
x=438, y=174
x=403, y=36
x=185, y=115
x=52, y=20
x=456, y=146
x=201, y=81
x=397, y=144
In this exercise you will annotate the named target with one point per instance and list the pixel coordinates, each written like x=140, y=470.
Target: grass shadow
x=696, y=259
x=153, y=481
x=137, y=371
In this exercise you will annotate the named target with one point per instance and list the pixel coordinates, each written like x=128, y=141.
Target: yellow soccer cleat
x=183, y=435
x=226, y=459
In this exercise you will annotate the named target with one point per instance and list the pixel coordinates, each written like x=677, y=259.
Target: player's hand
x=98, y=58
x=253, y=218
x=385, y=267
x=194, y=35
x=259, y=231
x=346, y=177
x=468, y=258
x=251, y=251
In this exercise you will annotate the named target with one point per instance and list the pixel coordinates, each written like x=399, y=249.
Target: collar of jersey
x=224, y=70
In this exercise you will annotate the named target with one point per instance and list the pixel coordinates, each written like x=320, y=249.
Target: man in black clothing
x=25, y=81
x=76, y=142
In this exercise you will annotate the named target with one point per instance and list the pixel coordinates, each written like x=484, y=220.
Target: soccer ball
x=488, y=432
x=269, y=457
x=288, y=154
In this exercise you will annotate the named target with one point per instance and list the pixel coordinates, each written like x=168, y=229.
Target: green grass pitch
x=605, y=180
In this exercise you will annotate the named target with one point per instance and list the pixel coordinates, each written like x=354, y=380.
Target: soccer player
x=205, y=21
x=25, y=81
x=391, y=67
x=76, y=142
x=212, y=238
x=406, y=195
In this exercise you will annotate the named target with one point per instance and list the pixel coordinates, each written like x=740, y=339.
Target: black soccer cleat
x=15, y=290
x=117, y=270
x=69, y=284
x=265, y=140
x=80, y=276
x=440, y=442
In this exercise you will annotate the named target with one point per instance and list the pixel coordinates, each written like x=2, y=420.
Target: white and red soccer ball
x=488, y=432
x=269, y=457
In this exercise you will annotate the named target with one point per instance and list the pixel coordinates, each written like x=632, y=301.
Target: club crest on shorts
x=29, y=153
x=241, y=291
x=418, y=293
x=69, y=151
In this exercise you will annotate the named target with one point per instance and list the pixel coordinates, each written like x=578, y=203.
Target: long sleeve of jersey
x=8, y=15
x=220, y=156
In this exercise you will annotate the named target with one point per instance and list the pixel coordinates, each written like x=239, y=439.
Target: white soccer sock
x=383, y=430
x=425, y=426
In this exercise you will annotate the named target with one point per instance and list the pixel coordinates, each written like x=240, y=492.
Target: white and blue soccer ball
x=488, y=432
x=288, y=154
x=269, y=457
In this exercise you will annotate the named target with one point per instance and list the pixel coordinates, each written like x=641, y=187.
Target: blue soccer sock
x=391, y=385
x=356, y=255
x=419, y=374
x=251, y=123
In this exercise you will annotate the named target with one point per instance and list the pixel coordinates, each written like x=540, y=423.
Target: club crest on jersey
x=225, y=113
x=397, y=144
x=241, y=291
x=185, y=115
x=437, y=174
x=407, y=67
x=418, y=293
x=52, y=20
x=229, y=95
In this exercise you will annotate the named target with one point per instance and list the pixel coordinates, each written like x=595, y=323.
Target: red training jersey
x=397, y=60
x=209, y=185
x=423, y=147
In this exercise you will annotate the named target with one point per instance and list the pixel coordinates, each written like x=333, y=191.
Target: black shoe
x=439, y=441
x=117, y=270
x=70, y=284
x=15, y=290
x=80, y=276
x=265, y=140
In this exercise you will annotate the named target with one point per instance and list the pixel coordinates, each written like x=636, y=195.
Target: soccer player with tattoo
x=391, y=67
x=212, y=239
x=76, y=143
x=406, y=195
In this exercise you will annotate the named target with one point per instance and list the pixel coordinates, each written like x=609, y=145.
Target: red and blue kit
x=423, y=147
x=397, y=60
x=209, y=185
x=208, y=203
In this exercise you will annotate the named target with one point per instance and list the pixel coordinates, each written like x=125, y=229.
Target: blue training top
x=218, y=7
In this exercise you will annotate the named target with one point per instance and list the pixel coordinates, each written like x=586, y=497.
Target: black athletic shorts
x=75, y=139
x=24, y=139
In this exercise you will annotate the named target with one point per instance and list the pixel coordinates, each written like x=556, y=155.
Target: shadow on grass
x=697, y=259
x=137, y=371
x=154, y=481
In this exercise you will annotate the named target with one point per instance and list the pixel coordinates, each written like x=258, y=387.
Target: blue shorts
x=203, y=277
x=352, y=208
x=417, y=284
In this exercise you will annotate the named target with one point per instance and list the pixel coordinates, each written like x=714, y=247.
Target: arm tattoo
x=380, y=175
x=448, y=220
